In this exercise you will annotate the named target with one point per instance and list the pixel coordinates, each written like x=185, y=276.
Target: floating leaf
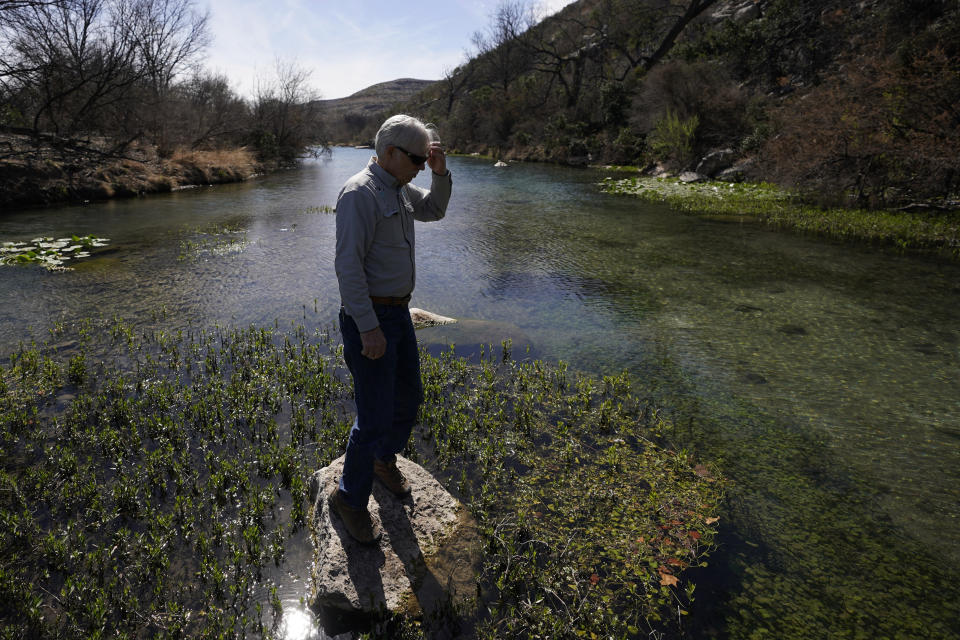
x=668, y=580
x=48, y=252
x=703, y=472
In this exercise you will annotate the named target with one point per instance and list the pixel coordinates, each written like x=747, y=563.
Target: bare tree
x=644, y=32
x=91, y=65
x=580, y=49
x=69, y=60
x=499, y=48
x=9, y=5
x=210, y=113
x=562, y=48
x=286, y=113
x=168, y=36
x=455, y=81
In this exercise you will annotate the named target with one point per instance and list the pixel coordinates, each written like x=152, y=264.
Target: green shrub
x=672, y=139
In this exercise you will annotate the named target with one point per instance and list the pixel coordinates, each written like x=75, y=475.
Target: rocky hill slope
x=350, y=119
x=847, y=100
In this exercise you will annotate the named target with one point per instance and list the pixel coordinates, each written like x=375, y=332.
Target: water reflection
x=298, y=623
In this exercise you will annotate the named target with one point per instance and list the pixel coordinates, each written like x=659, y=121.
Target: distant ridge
x=375, y=98
x=355, y=119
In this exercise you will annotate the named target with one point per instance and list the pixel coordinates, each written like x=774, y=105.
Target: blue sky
x=346, y=46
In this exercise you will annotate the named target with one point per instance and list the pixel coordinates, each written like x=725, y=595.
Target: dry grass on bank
x=201, y=167
x=238, y=160
x=38, y=174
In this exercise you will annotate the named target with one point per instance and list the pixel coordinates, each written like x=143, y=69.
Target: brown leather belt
x=394, y=302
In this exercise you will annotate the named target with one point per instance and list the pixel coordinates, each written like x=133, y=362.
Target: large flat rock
x=427, y=558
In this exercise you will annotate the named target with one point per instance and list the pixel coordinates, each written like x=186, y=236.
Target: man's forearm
x=433, y=206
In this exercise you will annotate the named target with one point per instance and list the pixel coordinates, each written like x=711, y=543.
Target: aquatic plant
x=146, y=484
x=213, y=240
x=49, y=252
x=588, y=524
x=905, y=231
x=323, y=208
x=151, y=480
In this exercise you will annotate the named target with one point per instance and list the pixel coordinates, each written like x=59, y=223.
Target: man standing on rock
x=376, y=271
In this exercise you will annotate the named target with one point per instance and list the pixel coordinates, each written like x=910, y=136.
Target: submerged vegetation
x=906, y=231
x=323, y=208
x=150, y=479
x=808, y=547
x=146, y=483
x=213, y=240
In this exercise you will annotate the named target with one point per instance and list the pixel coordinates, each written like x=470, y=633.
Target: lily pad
x=49, y=252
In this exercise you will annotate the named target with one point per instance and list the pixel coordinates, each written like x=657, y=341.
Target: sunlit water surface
x=855, y=349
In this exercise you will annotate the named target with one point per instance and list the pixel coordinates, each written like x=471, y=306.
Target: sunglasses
x=414, y=158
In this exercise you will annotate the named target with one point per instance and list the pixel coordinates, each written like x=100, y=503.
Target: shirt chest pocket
x=391, y=224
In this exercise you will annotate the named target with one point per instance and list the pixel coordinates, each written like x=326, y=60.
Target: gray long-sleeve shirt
x=375, y=237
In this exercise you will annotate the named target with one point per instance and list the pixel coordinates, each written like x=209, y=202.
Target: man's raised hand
x=436, y=159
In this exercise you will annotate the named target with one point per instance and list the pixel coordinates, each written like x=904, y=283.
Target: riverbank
x=59, y=171
x=928, y=231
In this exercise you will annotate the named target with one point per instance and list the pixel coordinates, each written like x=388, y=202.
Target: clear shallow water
x=794, y=362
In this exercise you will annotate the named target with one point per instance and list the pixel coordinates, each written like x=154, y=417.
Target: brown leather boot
x=358, y=522
x=390, y=476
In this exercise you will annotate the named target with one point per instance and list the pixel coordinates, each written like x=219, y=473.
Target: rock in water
x=692, y=176
x=427, y=558
x=422, y=318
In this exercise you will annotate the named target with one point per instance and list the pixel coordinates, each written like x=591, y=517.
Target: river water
x=823, y=379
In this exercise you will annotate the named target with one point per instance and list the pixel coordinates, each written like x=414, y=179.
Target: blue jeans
x=388, y=393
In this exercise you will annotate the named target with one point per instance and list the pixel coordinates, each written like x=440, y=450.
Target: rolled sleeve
x=356, y=225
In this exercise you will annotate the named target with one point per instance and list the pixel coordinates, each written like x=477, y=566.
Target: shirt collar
x=382, y=175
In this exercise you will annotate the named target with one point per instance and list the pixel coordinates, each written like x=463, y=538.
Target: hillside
x=851, y=101
x=348, y=119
